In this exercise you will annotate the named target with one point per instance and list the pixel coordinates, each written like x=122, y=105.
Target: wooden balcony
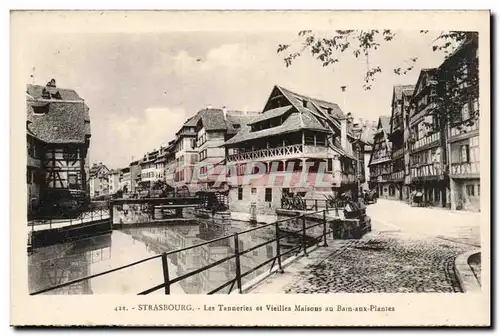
x=398, y=176
x=426, y=142
x=465, y=169
x=429, y=171
x=386, y=157
x=285, y=152
x=398, y=153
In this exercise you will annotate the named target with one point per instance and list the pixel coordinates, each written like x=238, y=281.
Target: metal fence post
x=166, y=278
x=278, y=248
x=304, y=244
x=110, y=207
x=336, y=209
x=315, y=205
x=324, y=229
x=326, y=205
x=237, y=261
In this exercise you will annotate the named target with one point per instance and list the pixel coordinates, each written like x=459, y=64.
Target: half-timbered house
x=58, y=123
x=401, y=95
x=459, y=72
x=380, y=164
x=427, y=141
x=302, y=145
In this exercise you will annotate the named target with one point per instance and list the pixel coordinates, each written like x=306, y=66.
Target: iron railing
x=92, y=214
x=280, y=233
x=311, y=204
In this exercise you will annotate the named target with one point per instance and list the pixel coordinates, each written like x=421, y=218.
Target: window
x=73, y=181
x=330, y=165
x=470, y=189
x=465, y=112
x=269, y=195
x=240, y=193
x=478, y=189
x=70, y=153
x=464, y=154
x=254, y=191
x=193, y=143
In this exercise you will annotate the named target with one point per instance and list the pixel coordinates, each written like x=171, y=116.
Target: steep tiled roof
x=269, y=114
x=236, y=121
x=97, y=169
x=295, y=122
x=213, y=119
x=60, y=122
x=399, y=89
x=335, y=109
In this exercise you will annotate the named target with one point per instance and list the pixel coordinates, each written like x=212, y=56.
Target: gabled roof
x=398, y=90
x=269, y=114
x=97, y=169
x=293, y=123
x=384, y=127
x=61, y=121
x=424, y=73
x=212, y=119
x=303, y=113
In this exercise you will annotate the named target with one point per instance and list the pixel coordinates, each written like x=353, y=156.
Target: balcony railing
x=427, y=170
x=398, y=153
x=465, y=168
x=425, y=141
x=400, y=175
x=267, y=153
x=386, y=157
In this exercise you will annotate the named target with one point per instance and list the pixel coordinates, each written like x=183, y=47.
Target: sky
x=141, y=87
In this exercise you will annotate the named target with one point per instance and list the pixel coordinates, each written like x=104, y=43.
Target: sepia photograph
x=296, y=159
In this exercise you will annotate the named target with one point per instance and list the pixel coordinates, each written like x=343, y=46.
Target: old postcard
x=250, y=168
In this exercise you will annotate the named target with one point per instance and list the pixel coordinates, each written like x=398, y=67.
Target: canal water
x=57, y=264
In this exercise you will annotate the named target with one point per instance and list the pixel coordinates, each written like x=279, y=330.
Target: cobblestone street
x=390, y=262
x=399, y=256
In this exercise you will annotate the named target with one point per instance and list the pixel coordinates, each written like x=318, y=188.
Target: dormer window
x=304, y=102
x=236, y=126
x=45, y=94
x=41, y=110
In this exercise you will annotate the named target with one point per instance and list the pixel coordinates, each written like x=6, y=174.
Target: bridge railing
x=93, y=213
x=286, y=237
x=149, y=210
x=311, y=204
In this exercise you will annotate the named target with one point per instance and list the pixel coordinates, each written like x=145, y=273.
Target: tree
x=361, y=43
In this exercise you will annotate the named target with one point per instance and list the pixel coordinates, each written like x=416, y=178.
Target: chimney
x=224, y=112
x=209, y=106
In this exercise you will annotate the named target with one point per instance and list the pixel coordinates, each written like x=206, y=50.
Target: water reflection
x=57, y=264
